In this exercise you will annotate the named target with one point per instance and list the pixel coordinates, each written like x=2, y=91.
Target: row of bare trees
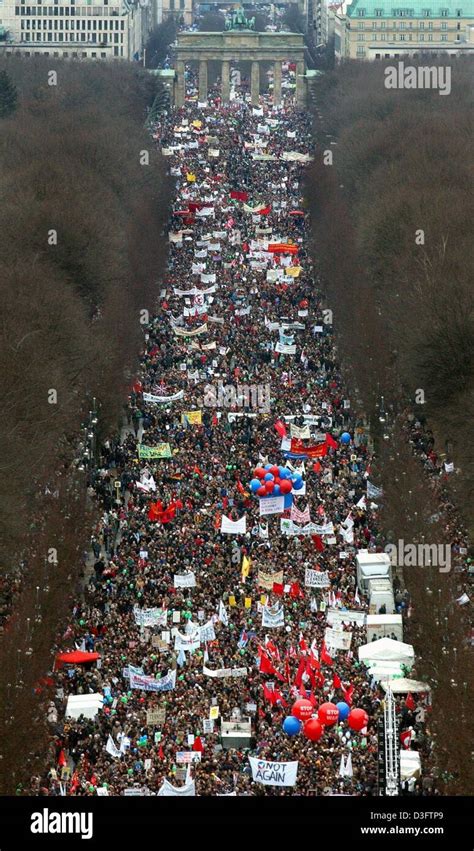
x=84, y=198
x=392, y=202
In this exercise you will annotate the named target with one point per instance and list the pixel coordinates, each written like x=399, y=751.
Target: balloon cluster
x=274, y=481
x=302, y=718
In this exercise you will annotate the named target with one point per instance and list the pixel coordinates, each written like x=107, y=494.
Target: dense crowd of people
x=239, y=371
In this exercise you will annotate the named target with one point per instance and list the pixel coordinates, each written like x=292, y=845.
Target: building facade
x=378, y=30
x=182, y=10
x=78, y=29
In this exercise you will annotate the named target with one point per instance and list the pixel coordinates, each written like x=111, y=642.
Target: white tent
x=410, y=765
x=381, y=670
x=403, y=686
x=387, y=650
x=84, y=704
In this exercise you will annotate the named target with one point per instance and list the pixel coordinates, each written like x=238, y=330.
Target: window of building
x=430, y=38
x=444, y=13
x=444, y=25
x=360, y=25
x=103, y=55
x=378, y=13
x=421, y=37
x=444, y=38
x=361, y=13
x=430, y=25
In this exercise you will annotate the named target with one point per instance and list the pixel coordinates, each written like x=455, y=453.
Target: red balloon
x=286, y=486
x=304, y=303
x=302, y=709
x=259, y=472
x=274, y=470
x=313, y=729
x=261, y=491
x=357, y=719
x=328, y=714
x=269, y=487
x=277, y=481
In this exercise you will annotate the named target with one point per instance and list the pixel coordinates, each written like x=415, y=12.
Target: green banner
x=162, y=450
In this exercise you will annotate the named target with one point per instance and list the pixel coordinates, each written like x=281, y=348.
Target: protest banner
x=145, y=683
x=156, y=717
x=168, y=790
x=273, y=616
x=161, y=450
x=316, y=578
x=271, y=505
x=233, y=527
x=163, y=400
x=273, y=773
x=224, y=672
x=185, y=580
x=337, y=639
x=267, y=580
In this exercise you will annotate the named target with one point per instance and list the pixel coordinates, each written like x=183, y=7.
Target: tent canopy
x=84, y=704
x=76, y=657
x=387, y=650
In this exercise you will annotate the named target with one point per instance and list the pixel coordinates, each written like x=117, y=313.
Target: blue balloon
x=345, y=437
x=344, y=710
x=288, y=497
x=282, y=471
x=276, y=490
x=255, y=484
x=268, y=477
x=297, y=484
x=292, y=725
x=267, y=466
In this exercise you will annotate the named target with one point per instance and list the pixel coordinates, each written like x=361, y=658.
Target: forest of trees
x=393, y=233
x=81, y=249
x=391, y=192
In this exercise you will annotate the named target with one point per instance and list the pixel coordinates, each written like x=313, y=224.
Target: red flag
x=277, y=588
x=240, y=487
x=280, y=428
x=161, y=753
x=317, y=467
x=239, y=196
x=336, y=682
x=348, y=692
x=318, y=542
x=279, y=697
x=324, y=656
x=405, y=739
x=269, y=694
x=303, y=691
x=295, y=591
x=62, y=758
x=410, y=703
x=266, y=666
x=299, y=673
x=312, y=699
x=331, y=442
x=198, y=745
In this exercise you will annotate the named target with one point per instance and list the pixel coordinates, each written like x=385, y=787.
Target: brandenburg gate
x=239, y=46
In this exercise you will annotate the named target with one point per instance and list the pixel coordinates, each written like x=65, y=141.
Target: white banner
x=150, y=684
x=273, y=616
x=207, y=632
x=337, y=639
x=150, y=617
x=336, y=616
x=233, y=527
x=273, y=773
x=163, y=400
x=316, y=578
x=272, y=505
x=186, y=580
x=285, y=350
x=224, y=672
x=167, y=790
